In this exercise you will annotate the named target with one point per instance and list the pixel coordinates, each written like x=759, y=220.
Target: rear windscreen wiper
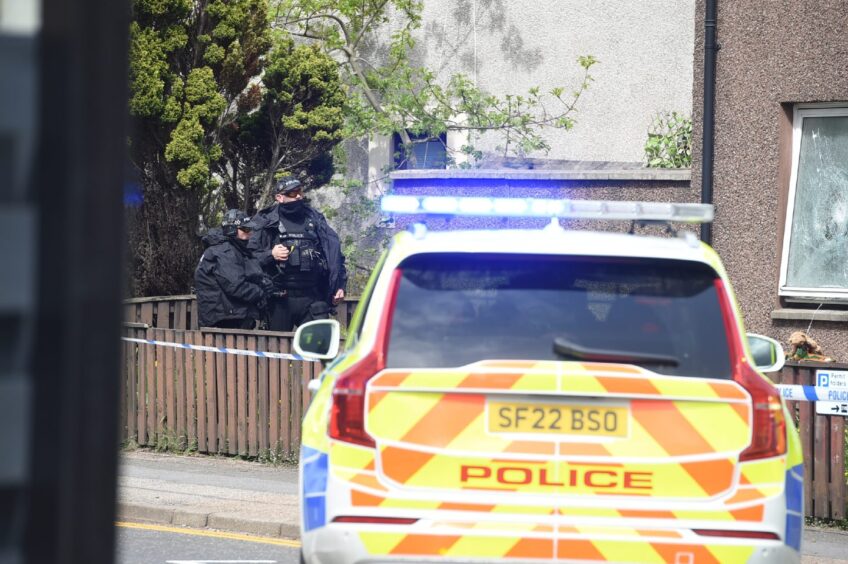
x=571, y=350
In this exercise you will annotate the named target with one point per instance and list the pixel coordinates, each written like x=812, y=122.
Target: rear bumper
x=449, y=542
x=597, y=531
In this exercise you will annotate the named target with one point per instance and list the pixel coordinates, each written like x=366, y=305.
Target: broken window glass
x=818, y=243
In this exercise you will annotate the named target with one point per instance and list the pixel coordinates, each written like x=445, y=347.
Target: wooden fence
x=824, y=442
x=251, y=406
x=180, y=312
x=213, y=402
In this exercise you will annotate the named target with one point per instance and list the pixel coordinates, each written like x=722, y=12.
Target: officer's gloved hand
x=267, y=287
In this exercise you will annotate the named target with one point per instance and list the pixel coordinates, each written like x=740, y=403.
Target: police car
x=547, y=395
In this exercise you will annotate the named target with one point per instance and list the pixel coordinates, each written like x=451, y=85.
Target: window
x=814, y=264
x=456, y=309
x=429, y=152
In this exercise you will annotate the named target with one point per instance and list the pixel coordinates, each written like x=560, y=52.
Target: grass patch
x=130, y=445
x=841, y=524
x=276, y=457
x=171, y=444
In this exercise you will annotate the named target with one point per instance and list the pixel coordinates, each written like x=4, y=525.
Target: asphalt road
x=154, y=544
x=254, y=491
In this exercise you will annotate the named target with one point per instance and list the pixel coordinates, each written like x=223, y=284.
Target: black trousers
x=236, y=324
x=295, y=309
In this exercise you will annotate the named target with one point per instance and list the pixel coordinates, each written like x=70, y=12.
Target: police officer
x=231, y=287
x=302, y=254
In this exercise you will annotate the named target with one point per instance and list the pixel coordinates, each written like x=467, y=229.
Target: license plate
x=564, y=419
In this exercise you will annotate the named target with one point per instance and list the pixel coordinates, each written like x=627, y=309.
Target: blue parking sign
x=823, y=379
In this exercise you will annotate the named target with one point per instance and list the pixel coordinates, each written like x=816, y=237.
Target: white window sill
x=837, y=315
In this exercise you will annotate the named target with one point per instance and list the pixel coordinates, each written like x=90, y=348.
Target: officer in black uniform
x=230, y=285
x=302, y=254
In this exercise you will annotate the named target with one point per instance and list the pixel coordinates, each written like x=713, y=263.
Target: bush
x=669, y=143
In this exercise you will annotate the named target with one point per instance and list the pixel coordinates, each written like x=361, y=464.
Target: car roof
x=554, y=241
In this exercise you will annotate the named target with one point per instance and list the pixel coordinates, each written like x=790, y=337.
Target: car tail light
x=347, y=414
x=769, y=436
x=769, y=425
x=736, y=534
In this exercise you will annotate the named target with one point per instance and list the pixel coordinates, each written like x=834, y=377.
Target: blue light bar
x=440, y=204
x=533, y=207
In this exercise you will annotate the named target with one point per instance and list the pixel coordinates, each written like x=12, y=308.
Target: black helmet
x=235, y=219
x=286, y=185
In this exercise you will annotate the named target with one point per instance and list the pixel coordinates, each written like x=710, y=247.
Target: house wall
x=772, y=55
x=508, y=46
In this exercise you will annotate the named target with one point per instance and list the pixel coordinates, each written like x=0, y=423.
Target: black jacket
x=265, y=237
x=227, y=281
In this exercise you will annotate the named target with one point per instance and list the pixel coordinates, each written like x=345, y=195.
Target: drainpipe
x=708, y=150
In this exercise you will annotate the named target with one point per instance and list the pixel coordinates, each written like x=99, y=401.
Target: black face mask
x=290, y=209
x=241, y=244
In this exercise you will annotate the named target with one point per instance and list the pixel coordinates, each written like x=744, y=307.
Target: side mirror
x=318, y=340
x=766, y=353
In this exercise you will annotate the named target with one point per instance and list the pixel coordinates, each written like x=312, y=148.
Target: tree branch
x=366, y=26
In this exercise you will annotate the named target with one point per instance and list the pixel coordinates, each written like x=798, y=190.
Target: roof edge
x=643, y=174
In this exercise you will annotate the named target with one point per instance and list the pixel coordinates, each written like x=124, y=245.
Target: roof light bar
x=533, y=207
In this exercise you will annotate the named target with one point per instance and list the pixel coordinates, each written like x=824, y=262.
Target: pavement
x=229, y=494
x=220, y=493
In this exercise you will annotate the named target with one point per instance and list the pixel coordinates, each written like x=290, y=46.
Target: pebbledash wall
x=773, y=58
x=507, y=46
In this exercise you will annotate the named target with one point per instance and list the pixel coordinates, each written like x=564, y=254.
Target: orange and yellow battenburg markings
x=619, y=545
x=628, y=386
x=750, y=494
x=445, y=420
x=367, y=481
x=351, y=456
x=767, y=471
x=658, y=416
x=452, y=424
x=437, y=471
x=457, y=545
x=393, y=416
x=363, y=499
x=753, y=513
x=431, y=450
x=713, y=476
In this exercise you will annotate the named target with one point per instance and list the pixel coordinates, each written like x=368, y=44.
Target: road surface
x=157, y=544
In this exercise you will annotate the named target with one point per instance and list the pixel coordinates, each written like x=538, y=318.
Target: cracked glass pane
x=818, y=249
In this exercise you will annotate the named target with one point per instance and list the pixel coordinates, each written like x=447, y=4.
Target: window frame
x=402, y=163
x=799, y=113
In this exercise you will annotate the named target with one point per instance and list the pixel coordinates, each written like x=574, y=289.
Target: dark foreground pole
x=64, y=93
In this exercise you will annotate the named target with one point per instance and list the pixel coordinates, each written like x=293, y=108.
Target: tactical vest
x=306, y=265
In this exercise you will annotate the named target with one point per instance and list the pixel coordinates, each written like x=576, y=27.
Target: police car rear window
x=456, y=309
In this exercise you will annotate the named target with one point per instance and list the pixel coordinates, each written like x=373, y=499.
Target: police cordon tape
x=812, y=393
x=223, y=350
x=787, y=391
